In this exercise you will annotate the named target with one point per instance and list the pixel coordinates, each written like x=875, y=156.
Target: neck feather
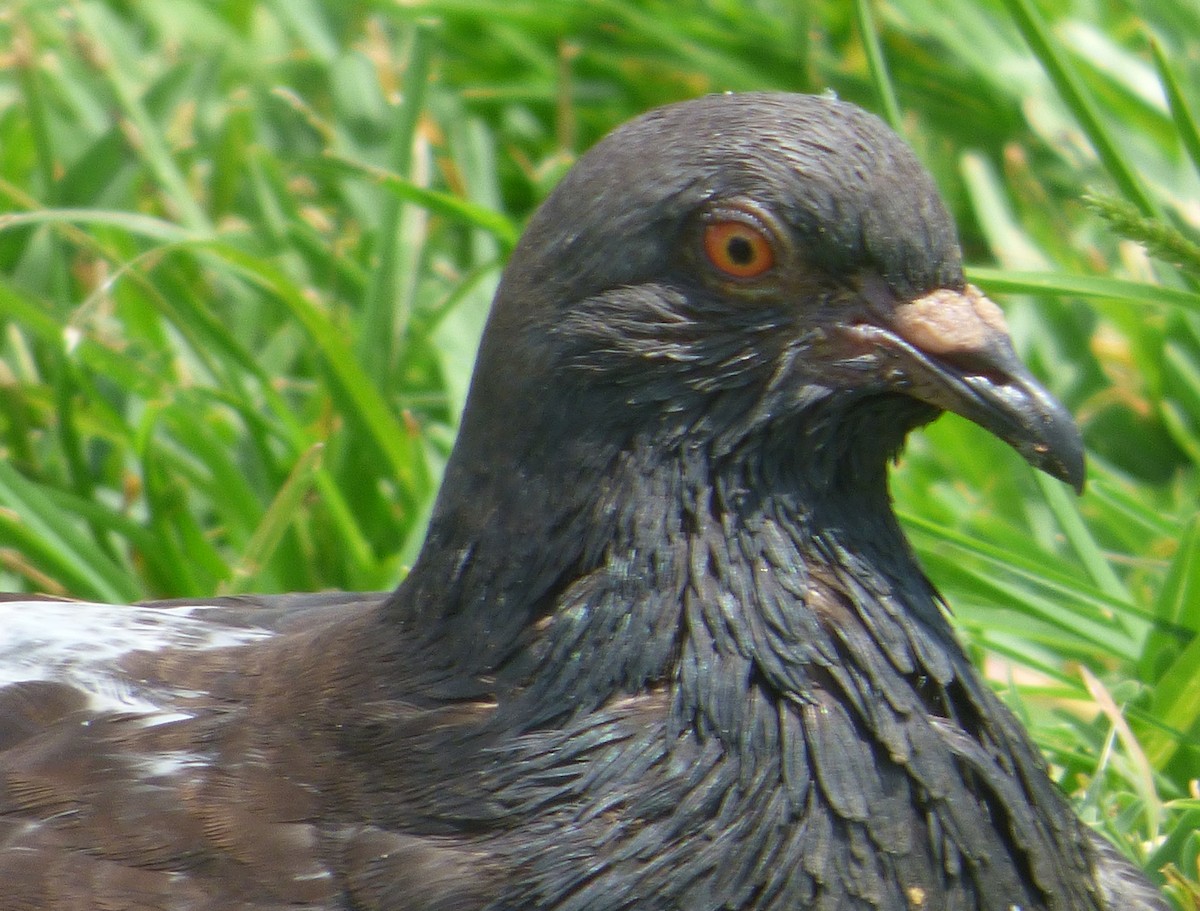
x=700, y=567
x=792, y=675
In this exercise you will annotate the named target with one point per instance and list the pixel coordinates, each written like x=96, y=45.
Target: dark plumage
x=665, y=647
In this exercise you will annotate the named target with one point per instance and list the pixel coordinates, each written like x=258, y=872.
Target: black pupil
x=740, y=250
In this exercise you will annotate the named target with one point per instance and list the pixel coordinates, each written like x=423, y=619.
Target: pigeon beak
x=951, y=348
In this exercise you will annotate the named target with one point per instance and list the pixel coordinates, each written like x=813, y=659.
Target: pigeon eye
x=738, y=249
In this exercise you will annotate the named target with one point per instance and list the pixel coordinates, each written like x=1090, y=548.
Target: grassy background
x=246, y=249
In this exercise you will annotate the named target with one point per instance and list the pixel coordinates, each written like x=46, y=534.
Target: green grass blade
x=877, y=64
x=37, y=522
x=150, y=143
x=356, y=391
x=1186, y=126
x=388, y=301
x=1178, y=603
x=1070, y=87
x=440, y=203
x=142, y=225
x=1176, y=706
x=274, y=524
x=1000, y=281
x=1066, y=511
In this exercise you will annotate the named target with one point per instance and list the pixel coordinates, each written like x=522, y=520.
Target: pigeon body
x=665, y=646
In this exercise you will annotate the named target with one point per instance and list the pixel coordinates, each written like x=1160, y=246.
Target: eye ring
x=737, y=248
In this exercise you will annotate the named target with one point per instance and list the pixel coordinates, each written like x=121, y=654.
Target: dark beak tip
x=1079, y=485
x=1058, y=450
x=1076, y=476
x=1070, y=470
x=1031, y=420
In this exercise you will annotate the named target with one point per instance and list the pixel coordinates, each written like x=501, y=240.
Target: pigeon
x=666, y=645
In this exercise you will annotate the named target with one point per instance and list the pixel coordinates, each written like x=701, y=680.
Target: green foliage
x=246, y=250
x=1161, y=239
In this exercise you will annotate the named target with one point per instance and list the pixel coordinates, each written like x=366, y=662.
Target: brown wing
x=173, y=756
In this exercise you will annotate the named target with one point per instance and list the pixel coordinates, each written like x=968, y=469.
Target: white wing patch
x=80, y=644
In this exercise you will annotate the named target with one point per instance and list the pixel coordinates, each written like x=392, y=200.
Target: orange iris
x=738, y=249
